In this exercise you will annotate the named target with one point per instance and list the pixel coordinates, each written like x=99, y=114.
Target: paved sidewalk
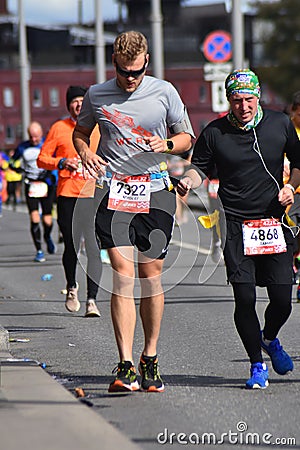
x=36, y=412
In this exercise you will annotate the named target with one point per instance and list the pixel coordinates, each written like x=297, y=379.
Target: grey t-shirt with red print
x=125, y=119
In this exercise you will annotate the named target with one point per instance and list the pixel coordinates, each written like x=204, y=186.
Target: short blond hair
x=130, y=44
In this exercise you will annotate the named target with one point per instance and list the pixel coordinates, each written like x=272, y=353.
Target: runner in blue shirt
x=39, y=190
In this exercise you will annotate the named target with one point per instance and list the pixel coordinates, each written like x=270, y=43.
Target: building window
x=37, y=98
x=8, y=97
x=202, y=94
x=53, y=97
x=19, y=129
x=10, y=135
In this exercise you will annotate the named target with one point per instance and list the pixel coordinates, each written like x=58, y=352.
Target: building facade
x=61, y=56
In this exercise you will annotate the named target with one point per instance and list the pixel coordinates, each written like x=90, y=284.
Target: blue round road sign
x=217, y=46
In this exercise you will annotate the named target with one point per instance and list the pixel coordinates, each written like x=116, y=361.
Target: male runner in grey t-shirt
x=134, y=113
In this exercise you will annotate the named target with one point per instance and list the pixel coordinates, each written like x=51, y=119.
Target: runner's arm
x=91, y=161
x=190, y=180
x=182, y=142
x=47, y=158
x=286, y=194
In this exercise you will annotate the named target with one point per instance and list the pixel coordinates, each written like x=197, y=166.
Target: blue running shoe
x=259, y=376
x=39, y=257
x=50, y=246
x=281, y=361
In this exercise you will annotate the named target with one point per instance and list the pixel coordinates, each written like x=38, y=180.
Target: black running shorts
x=46, y=203
x=262, y=270
x=150, y=233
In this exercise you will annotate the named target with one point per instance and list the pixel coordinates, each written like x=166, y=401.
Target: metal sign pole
x=99, y=43
x=237, y=35
x=24, y=72
x=157, y=38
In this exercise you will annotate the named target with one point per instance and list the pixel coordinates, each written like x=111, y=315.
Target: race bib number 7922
x=130, y=193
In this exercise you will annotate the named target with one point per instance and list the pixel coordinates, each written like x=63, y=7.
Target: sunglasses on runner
x=131, y=73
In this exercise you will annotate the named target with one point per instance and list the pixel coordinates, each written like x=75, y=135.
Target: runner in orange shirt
x=75, y=202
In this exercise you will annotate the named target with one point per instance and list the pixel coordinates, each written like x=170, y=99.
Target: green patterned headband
x=242, y=82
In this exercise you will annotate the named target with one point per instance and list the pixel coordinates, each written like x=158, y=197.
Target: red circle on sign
x=217, y=46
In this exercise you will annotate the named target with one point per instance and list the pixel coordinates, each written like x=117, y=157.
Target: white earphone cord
x=257, y=150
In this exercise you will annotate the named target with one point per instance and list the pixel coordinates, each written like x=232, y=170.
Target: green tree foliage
x=281, y=45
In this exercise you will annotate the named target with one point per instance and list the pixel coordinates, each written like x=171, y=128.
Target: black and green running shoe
x=151, y=380
x=126, y=379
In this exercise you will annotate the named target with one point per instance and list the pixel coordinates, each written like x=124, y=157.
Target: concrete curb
x=31, y=400
x=37, y=412
x=4, y=340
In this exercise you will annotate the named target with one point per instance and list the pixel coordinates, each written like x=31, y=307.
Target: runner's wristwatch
x=170, y=145
x=60, y=164
x=290, y=187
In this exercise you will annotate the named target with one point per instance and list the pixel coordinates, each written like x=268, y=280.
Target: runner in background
x=75, y=203
x=39, y=190
x=13, y=179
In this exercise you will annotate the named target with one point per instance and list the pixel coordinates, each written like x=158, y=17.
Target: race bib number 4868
x=263, y=236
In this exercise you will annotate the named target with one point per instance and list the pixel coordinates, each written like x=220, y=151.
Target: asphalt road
x=202, y=360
